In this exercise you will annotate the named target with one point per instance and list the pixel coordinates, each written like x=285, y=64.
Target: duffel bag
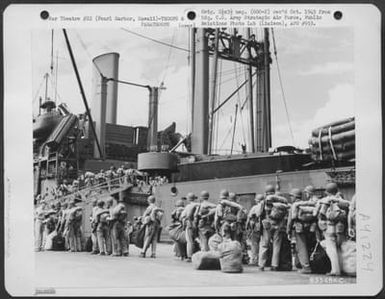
x=285, y=257
x=177, y=233
x=138, y=237
x=348, y=257
x=58, y=243
x=319, y=260
x=230, y=256
x=214, y=241
x=206, y=260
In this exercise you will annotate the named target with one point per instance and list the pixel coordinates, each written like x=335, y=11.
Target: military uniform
x=102, y=230
x=94, y=238
x=274, y=227
x=204, y=219
x=39, y=227
x=118, y=232
x=74, y=228
x=332, y=222
x=254, y=229
x=188, y=222
x=152, y=224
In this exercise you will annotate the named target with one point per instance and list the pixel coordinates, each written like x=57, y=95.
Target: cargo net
x=334, y=141
x=342, y=177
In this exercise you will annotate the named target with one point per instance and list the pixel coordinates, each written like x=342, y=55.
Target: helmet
x=331, y=188
x=258, y=198
x=151, y=198
x=205, y=195
x=100, y=203
x=297, y=193
x=110, y=200
x=191, y=196
x=232, y=196
x=269, y=189
x=224, y=194
x=179, y=203
x=309, y=189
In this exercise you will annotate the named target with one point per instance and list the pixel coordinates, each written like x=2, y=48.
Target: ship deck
x=82, y=273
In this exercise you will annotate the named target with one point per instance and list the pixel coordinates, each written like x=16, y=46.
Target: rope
x=167, y=65
x=240, y=104
x=282, y=89
x=154, y=40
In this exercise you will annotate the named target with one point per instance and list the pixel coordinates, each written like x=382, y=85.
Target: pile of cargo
x=334, y=141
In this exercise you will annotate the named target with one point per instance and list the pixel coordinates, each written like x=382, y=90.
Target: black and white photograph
x=194, y=158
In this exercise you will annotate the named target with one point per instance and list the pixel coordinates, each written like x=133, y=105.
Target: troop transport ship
x=74, y=144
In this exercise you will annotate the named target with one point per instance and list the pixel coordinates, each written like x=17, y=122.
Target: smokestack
x=200, y=123
x=108, y=65
x=153, y=120
x=104, y=95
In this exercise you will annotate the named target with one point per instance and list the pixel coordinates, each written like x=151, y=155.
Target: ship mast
x=232, y=47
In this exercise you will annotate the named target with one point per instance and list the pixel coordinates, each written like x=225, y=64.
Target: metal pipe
x=199, y=136
x=266, y=60
x=213, y=90
x=249, y=92
x=193, y=61
x=82, y=92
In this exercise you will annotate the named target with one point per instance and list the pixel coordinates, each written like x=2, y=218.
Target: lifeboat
x=45, y=123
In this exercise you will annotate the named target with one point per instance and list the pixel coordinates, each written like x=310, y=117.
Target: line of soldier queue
x=306, y=222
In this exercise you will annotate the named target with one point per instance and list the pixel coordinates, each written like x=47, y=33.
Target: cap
x=331, y=188
x=205, y=194
x=269, y=189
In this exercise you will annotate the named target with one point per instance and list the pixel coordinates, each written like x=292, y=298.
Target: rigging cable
x=167, y=64
x=218, y=96
x=154, y=40
x=282, y=90
x=239, y=103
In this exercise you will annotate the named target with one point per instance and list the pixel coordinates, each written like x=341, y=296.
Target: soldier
x=109, y=207
x=118, y=233
x=94, y=238
x=254, y=229
x=152, y=217
x=204, y=217
x=302, y=219
x=64, y=223
x=74, y=226
x=273, y=212
x=179, y=248
x=332, y=219
x=309, y=193
x=352, y=219
x=102, y=231
x=39, y=225
x=188, y=223
x=226, y=212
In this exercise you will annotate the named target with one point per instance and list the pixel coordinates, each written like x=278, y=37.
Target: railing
x=108, y=186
